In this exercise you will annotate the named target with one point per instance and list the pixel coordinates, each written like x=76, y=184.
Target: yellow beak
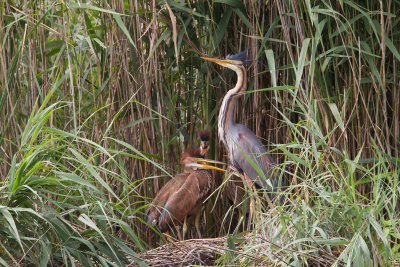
x=204, y=166
x=210, y=161
x=215, y=60
x=223, y=62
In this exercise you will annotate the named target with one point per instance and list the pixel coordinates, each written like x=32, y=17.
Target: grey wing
x=250, y=156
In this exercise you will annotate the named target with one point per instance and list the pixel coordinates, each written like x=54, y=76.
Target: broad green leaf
x=95, y=8
x=121, y=25
x=276, y=88
x=244, y=19
x=222, y=26
x=92, y=171
x=271, y=66
x=13, y=227
x=301, y=62
x=86, y=220
x=392, y=47
x=336, y=115
x=233, y=3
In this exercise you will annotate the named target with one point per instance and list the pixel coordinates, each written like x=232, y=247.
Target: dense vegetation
x=99, y=99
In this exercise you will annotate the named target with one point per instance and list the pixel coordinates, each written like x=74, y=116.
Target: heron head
x=193, y=160
x=189, y=157
x=231, y=61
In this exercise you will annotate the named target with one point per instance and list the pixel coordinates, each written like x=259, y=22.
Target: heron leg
x=241, y=219
x=184, y=228
x=249, y=184
x=251, y=213
x=197, y=223
x=168, y=237
x=178, y=232
x=241, y=216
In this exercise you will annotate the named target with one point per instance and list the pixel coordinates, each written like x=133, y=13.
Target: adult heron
x=246, y=151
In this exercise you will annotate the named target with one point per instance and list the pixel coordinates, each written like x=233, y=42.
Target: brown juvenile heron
x=246, y=152
x=184, y=195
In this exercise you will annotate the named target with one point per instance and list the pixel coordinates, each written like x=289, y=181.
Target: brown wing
x=205, y=183
x=186, y=200
x=157, y=205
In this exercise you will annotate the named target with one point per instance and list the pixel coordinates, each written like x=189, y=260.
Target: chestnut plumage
x=183, y=195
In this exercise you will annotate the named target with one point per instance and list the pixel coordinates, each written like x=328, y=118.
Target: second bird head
x=204, y=137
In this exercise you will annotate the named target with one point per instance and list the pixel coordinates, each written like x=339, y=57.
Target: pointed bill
x=222, y=62
x=204, y=166
x=201, y=160
x=213, y=59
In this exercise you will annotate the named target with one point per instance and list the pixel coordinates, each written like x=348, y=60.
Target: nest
x=188, y=252
x=184, y=253
x=206, y=252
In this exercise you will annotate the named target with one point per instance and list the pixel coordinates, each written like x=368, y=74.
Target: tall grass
x=98, y=100
x=57, y=204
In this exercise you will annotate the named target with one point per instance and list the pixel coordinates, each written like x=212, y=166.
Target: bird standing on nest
x=184, y=195
x=246, y=151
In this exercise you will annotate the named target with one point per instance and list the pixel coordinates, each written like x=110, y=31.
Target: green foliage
x=56, y=204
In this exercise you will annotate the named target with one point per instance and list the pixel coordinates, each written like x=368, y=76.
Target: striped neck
x=226, y=116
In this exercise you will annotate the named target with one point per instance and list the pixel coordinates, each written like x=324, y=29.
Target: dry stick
x=383, y=75
x=71, y=79
x=358, y=86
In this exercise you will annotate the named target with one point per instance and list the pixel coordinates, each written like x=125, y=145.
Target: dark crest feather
x=241, y=56
x=204, y=135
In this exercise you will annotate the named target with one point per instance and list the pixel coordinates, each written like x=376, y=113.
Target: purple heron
x=246, y=152
x=184, y=195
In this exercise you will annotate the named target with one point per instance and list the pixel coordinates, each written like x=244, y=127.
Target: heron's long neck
x=226, y=116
